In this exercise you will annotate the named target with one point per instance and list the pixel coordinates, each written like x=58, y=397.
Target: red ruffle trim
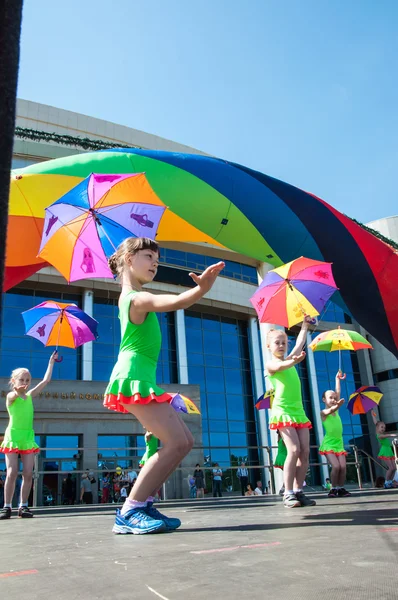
x=323, y=452
x=16, y=451
x=387, y=457
x=278, y=467
x=279, y=425
x=116, y=402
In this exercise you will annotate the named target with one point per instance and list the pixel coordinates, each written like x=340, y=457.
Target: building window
x=197, y=262
x=106, y=348
x=386, y=375
x=219, y=362
x=19, y=350
x=334, y=314
x=119, y=451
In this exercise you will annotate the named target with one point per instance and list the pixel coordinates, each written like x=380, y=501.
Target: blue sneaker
x=171, y=524
x=137, y=521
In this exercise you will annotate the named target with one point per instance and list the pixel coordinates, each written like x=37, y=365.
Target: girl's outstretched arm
x=145, y=302
x=329, y=411
x=47, y=377
x=301, y=338
x=273, y=366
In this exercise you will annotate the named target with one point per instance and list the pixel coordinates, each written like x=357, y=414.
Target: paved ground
x=226, y=549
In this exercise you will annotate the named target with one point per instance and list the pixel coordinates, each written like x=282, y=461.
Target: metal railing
x=131, y=456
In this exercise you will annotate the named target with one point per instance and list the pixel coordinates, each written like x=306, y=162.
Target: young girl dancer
x=386, y=453
x=132, y=388
x=19, y=438
x=287, y=413
x=333, y=444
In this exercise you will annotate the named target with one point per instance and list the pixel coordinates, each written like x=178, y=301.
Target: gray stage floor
x=230, y=549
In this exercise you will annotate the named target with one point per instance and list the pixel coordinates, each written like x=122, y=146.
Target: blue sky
x=303, y=90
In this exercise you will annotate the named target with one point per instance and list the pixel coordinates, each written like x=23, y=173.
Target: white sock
x=288, y=492
x=297, y=491
x=7, y=506
x=21, y=504
x=337, y=487
x=130, y=505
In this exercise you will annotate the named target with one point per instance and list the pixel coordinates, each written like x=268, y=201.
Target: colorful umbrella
x=88, y=223
x=227, y=205
x=339, y=339
x=183, y=404
x=364, y=399
x=265, y=401
x=289, y=293
x=59, y=324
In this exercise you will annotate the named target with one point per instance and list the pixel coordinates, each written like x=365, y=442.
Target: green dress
x=281, y=456
x=333, y=442
x=133, y=379
x=151, y=447
x=287, y=407
x=386, y=452
x=19, y=437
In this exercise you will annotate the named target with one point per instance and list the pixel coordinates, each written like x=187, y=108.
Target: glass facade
x=219, y=362
x=106, y=348
x=19, y=350
x=197, y=262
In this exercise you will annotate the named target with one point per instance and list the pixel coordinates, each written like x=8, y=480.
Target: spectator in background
x=217, y=481
x=249, y=490
x=259, y=489
x=106, y=488
x=67, y=490
x=199, y=481
x=86, y=494
x=243, y=476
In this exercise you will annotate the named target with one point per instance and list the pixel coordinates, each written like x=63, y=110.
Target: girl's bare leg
x=335, y=474
x=28, y=461
x=12, y=463
x=303, y=459
x=292, y=443
x=162, y=420
x=343, y=469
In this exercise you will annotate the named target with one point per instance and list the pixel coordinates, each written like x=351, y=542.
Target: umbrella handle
x=58, y=360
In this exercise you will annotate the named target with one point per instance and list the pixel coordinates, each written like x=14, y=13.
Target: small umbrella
x=339, y=339
x=364, y=399
x=183, y=404
x=265, y=401
x=84, y=227
x=294, y=290
x=59, y=324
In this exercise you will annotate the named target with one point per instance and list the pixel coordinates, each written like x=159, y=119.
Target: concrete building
x=214, y=352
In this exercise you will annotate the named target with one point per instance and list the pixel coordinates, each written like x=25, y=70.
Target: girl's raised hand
x=340, y=402
x=298, y=358
x=53, y=357
x=340, y=375
x=206, y=280
x=21, y=388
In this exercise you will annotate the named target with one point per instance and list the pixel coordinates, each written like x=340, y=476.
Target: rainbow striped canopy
x=339, y=339
x=227, y=205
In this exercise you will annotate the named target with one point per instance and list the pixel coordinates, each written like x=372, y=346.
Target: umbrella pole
x=59, y=359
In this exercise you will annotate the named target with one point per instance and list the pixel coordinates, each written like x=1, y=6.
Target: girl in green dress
x=19, y=437
x=386, y=453
x=333, y=444
x=132, y=387
x=287, y=413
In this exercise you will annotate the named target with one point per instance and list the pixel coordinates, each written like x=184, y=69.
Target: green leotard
x=19, y=437
x=287, y=407
x=333, y=442
x=151, y=447
x=386, y=452
x=133, y=379
x=281, y=456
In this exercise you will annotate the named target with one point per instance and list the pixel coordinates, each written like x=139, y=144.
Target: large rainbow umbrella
x=228, y=206
x=289, y=293
x=364, y=399
x=265, y=401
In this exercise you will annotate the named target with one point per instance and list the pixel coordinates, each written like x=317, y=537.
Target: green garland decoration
x=91, y=144
x=377, y=234
x=66, y=140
